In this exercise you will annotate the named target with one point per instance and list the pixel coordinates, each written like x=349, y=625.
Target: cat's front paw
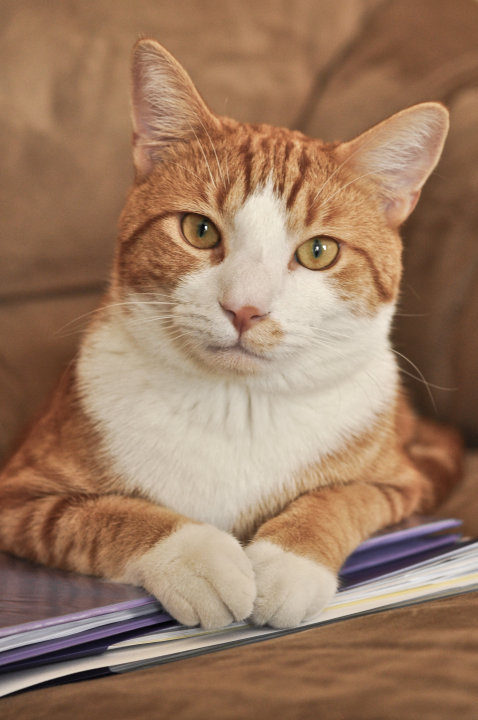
x=201, y=575
x=290, y=589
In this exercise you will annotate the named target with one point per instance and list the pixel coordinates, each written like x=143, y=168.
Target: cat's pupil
x=202, y=229
x=317, y=250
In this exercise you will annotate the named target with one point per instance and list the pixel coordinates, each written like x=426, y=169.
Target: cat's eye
x=200, y=231
x=318, y=253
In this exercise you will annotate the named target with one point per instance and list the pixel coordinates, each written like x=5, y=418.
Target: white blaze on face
x=323, y=338
x=258, y=253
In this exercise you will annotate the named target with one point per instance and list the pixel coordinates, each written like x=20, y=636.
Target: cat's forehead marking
x=304, y=163
x=260, y=223
x=256, y=156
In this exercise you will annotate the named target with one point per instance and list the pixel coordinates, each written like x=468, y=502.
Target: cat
x=234, y=423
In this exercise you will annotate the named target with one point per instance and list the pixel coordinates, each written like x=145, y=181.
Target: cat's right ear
x=166, y=105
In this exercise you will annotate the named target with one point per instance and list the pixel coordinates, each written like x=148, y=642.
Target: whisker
x=333, y=334
x=185, y=314
x=423, y=379
x=145, y=321
x=138, y=303
x=71, y=333
x=342, y=164
x=411, y=315
x=412, y=290
x=204, y=155
x=213, y=149
x=374, y=380
x=227, y=169
x=77, y=319
x=172, y=162
x=351, y=182
x=180, y=335
x=135, y=303
x=432, y=385
x=312, y=339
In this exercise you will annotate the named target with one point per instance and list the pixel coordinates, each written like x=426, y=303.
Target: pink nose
x=245, y=317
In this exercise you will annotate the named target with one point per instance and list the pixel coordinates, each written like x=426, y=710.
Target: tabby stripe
x=247, y=158
x=48, y=527
x=327, y=524
x=311, y=212
x=441, y=478
x=393, y=501
x=222, y=193
x=402, y=500
x=128, y=242
x=385, y=294
x=24, y=539
x=304, y=164
x=285, y=161
x=63, y=560
x=268, y=153
x=331, y=213
x=95, y=542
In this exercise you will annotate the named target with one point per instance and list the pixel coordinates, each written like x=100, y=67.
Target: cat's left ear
x=166, y=105
x=399, y=154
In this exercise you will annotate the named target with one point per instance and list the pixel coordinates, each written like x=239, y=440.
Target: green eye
x=200, y=231
x=318, y=253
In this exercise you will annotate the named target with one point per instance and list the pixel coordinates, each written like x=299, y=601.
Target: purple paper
x=383, y=555
x=425, y=528
x=106, y=631
x=35, y=597
x=408, y=563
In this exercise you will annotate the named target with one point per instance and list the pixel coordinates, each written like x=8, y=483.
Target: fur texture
x=180, y=432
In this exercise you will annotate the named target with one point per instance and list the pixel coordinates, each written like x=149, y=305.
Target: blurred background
x=328, y=68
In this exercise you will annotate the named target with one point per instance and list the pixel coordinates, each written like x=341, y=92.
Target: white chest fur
x=213, y=449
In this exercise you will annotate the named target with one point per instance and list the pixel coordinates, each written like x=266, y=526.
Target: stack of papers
x=57, y=626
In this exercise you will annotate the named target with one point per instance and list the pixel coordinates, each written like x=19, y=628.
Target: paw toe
x=290, y=588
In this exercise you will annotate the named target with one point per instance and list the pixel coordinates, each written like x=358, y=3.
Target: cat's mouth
x=236, y=350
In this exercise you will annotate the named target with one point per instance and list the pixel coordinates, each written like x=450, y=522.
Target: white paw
x=201, y=575
x=290, y=589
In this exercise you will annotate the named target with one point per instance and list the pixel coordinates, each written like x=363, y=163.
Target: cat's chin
x=235, y=358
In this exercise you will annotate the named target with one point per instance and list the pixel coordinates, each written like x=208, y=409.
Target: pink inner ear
x=166, y=105
x=398, y=209
x=400, y=153
x=414, y=198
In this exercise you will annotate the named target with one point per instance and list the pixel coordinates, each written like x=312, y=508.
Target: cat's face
x=255, y=251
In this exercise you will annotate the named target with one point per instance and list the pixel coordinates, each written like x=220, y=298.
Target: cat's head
x=255, y=251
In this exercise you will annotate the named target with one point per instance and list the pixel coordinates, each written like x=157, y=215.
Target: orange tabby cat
x=234, y=424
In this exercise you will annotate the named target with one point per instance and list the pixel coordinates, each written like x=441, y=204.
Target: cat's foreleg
x=297, y=554
x=199, y=573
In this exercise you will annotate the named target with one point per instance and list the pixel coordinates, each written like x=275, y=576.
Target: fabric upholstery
x=330, y=69
x=416, y=663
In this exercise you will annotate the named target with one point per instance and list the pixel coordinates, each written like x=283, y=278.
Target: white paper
x=120, y=657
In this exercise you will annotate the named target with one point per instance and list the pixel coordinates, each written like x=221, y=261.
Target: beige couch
x=331, y=69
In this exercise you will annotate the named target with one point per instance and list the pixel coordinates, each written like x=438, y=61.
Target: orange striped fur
x=66, y=499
